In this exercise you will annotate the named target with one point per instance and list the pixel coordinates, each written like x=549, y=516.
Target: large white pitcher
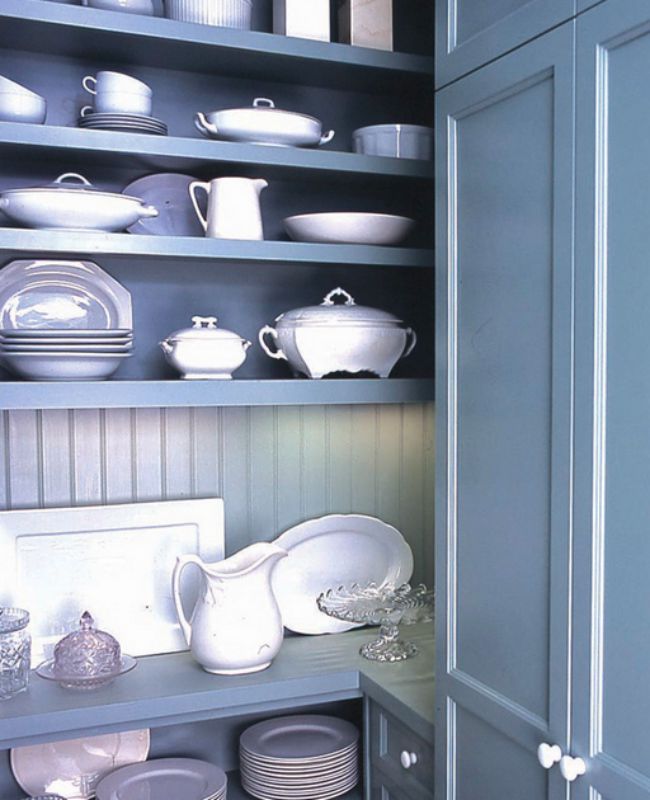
x=236, y=626
x=233, y=207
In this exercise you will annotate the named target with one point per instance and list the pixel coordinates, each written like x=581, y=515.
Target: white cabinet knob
x=572, y=768
x=408, y=759
x=548, y=754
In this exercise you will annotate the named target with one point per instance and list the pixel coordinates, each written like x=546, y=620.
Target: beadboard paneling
x=273, y=466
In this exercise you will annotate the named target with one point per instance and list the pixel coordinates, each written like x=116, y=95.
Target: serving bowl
x=64, y=365
x=145, y=7
x=73, y=206
x=22, y=106
x=394, y=141
x=349, y=227
x=263, y=123
x=205, y=352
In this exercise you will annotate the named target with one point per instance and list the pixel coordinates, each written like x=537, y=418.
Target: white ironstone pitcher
x=233, y=207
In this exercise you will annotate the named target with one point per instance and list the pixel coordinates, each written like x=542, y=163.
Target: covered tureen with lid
x=204, y=351
x=331, y=337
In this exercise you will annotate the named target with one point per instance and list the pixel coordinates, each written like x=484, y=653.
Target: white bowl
x=227, y=13
x=349, y=227
x=22, y=106
x=394, y=141
x=145, y=7
x=64, y=366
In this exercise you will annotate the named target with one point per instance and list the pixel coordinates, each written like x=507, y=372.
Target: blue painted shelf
x=23, y=241
x=154, y=153
x=95, y=35
x=179, y=393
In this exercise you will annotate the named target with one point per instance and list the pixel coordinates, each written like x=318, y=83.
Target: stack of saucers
x=54, y=354
x=290, y=758
x=130, y=123
x=165, y=779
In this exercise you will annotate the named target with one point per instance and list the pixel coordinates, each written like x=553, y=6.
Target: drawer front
x=383, y=788
x=399, y=753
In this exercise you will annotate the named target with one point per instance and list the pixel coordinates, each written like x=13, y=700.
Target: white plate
x=59, y=294
x=164, y=779
x=110, y=335
x=299, y=736
x=52, y=346
x=72, y=768
x=170, y=194
x=327, y=552
x=60, y=562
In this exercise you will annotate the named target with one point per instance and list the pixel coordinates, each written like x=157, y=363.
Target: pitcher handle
x=181, y=563
x=277, y=353
x=206, y=188
x=408, y=348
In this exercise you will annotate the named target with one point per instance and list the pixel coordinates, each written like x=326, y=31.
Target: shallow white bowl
x=349, y=227
x=64, y=366
x=394, y=141
x=22, y=106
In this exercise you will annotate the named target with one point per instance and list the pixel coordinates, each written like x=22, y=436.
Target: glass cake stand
x=387, y=606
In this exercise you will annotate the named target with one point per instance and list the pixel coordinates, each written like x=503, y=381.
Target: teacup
x=120, y=103
x=119, y=94
x=107, y=81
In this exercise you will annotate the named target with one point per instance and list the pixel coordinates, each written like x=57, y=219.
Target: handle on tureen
x=408, y=349
x=263, y=102
x=277, y=353
x=72, y=176
x=203, y=126
x=204, y=322
x=166, y=346
x=206, y=188
x=327, y=137
x=328, y=301
x=181, y=563
x=148, y=211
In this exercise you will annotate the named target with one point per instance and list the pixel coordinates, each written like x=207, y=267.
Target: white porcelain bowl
x=227, y=13
x=394, y=141
x=127, y=6
x=349, y=228
x=22, y=106
x=64, y=366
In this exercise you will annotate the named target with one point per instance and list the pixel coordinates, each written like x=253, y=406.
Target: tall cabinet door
x=612, y=504
x=503, y=341
x=470, y=33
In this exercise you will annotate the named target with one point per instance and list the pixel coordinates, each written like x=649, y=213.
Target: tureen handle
x=349, y=300
x=72, y=176
x=203, y=126
x=277, y=353
x=408, y=349
x=326, y=137
x=204, y=322
x=263, y=102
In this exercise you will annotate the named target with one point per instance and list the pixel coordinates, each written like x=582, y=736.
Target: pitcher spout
x=259, y=556
x=260, y=185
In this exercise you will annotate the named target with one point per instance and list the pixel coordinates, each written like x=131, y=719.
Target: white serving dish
x=349, y=227
x=263, y=123
x=110, y=335
x=319, y=340
x=145, y=7
x=22, y=106
x=63, y=366
x=73, y=206
x=330, y=551
x=69, y=348
x=226, y=13
x=60, y=561
x=205, y=352
x=74, y=767
x=394, y=141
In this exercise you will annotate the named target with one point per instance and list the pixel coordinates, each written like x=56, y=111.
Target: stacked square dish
x=300, y=756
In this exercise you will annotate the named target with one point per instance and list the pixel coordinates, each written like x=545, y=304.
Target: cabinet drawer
x=383, y=788
x=401, y=754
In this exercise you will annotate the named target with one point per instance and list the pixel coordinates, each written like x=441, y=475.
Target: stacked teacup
x=19, y=104
x=121, y=103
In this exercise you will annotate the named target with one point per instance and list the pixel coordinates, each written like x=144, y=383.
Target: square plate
x=115, y=561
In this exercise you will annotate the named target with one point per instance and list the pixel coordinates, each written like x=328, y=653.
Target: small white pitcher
x=233, y=207
x=236, y=626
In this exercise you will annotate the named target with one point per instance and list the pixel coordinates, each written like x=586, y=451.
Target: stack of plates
x=290, y=758
x=165, y=779
x=131, y=123
x=64, y=354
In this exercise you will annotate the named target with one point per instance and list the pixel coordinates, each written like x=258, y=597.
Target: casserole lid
x=83, y=186
x=204, y=329
x=329, y=312
x=265, y=106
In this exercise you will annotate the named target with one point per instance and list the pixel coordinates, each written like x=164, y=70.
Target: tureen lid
x=265, y=105
x=204, y=329
x=72, y=182
x=329, y=311
x=87, y=651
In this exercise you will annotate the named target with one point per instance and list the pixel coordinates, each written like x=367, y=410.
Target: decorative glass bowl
x=387, y=606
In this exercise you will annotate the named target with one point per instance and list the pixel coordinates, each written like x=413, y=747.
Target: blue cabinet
x=503, y=362
x=470, y=33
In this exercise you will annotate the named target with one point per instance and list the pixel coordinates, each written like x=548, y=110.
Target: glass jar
x=15, y=651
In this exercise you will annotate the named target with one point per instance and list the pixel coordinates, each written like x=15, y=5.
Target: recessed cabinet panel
x=613, y=425
x=470, y=33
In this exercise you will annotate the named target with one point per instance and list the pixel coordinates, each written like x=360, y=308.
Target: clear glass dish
x=387, y=606
x=49, y=671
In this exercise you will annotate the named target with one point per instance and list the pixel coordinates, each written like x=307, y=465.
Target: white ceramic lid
x=63, y=184
x=329, y=312
x=264, y=105
x=204, y=329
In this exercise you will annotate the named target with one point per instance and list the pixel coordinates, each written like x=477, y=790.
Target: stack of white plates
x=290, y=758
x=130, y=123
x=64, y=354
x=165, y=779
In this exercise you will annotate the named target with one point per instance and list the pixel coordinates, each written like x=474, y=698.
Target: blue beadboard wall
x=273, y=466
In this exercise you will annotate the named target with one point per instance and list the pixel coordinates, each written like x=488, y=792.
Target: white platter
x=330, y=551
x=165, y=779
x=110, y=335
x=115, y=561
x=60, y=294
x=72, y=768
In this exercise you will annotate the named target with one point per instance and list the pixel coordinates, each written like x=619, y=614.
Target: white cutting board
x=115, y=561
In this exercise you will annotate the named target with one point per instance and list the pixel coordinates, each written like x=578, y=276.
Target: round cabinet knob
x=408, y=759
x=572, y=768
x=548, y=754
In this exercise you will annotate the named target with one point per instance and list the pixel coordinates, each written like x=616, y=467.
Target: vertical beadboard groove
x=273, y=466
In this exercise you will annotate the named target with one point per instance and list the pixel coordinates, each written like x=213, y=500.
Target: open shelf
x=180, y=393
x=107, y=148
x=18, y=241
x=130, y=38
